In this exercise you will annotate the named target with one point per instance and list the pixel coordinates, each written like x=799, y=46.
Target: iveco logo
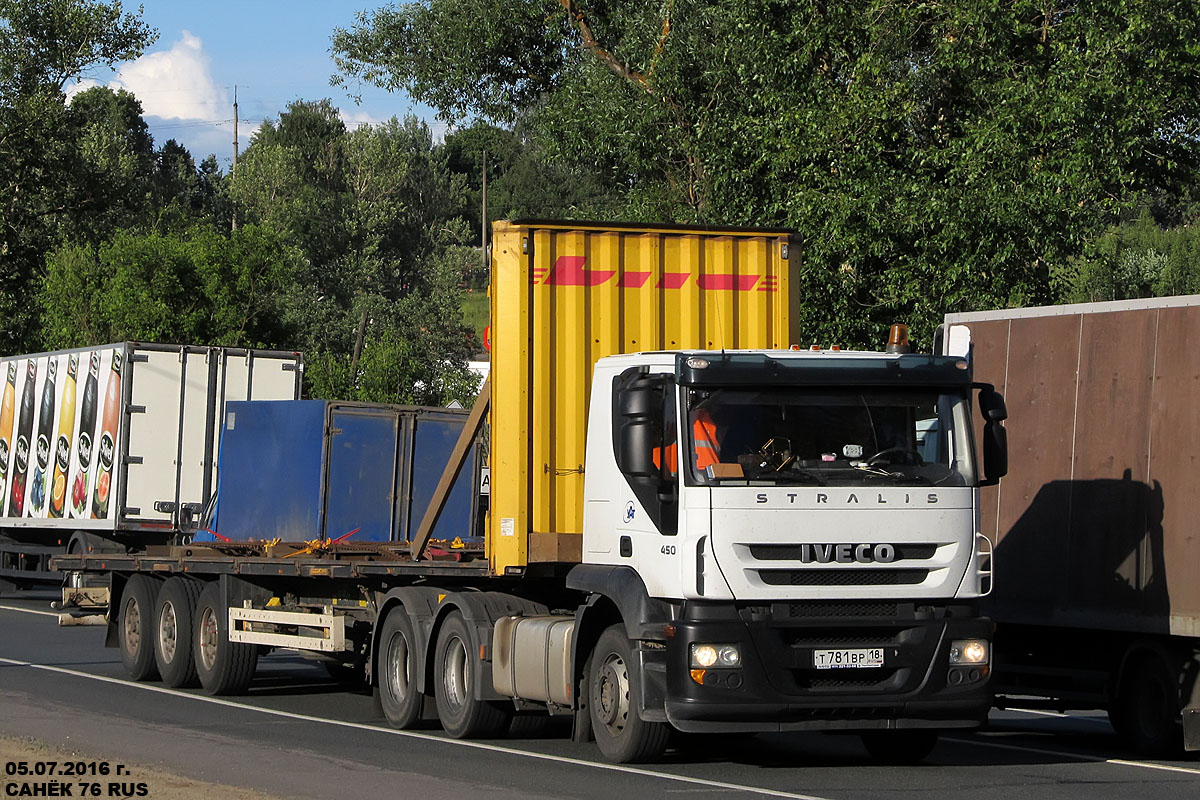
x=847, y=553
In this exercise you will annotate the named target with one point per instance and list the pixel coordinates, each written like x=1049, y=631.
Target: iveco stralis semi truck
x=691, y=526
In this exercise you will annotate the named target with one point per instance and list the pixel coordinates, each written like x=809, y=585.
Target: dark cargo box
x=306, y=469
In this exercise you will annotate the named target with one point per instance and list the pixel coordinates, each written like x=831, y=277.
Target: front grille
x=845, y=679
x=843, y=577
x=795, y=552
x=866, y=637
x=825, y=609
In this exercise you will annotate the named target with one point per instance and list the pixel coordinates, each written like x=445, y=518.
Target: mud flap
x=1191, y=728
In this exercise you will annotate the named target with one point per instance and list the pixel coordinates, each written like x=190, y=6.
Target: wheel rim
x=132, y=625
x=456, y=681
x=399, y=674
x=168, y=631
x=612, y=694
x=208, y=638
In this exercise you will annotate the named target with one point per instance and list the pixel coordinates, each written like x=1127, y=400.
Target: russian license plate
x=857, y=659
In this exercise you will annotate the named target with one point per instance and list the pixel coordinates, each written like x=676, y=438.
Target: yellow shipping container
x=566, y=294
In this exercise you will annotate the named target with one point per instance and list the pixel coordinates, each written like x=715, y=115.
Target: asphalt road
x=299, y=734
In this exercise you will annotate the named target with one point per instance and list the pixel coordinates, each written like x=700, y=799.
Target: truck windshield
x=829, y=437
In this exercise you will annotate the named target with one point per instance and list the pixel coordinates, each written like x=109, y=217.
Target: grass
x=476, y=312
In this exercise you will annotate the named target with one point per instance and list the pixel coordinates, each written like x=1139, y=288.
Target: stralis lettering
x=854, y=499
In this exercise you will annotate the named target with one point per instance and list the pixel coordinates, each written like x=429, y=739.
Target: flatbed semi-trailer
x=691, y=526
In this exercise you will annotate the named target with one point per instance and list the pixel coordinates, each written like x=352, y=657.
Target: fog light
x=969, y=651
x=716, y=655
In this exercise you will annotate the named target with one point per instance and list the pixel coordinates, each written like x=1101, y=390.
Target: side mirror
x=995, y=437
x=991, y=403
x=995, y=453
x=638, y=439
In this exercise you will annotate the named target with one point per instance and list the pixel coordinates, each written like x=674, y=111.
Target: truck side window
x=644, y=442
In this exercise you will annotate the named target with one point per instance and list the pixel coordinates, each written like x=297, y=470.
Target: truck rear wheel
x=398, y=694
x=135, y=626
x=224, y=667
x=614, y=689
x=173, y=614
x=1146, y=714
x=456, y=672
x=900, y=748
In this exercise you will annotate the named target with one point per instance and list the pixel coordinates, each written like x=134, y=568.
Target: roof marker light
x=898, y=340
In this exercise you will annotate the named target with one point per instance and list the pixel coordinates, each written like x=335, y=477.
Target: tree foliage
x=932, y=157
x=47, y=159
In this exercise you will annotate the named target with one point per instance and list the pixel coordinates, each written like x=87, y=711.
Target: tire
x=455, y=675
x=135, y=626
x=398, y=694
x=173, y=616
x=614, y=689
x=224, y=667
x=1146, y=714
x=900, y=748
x=530, y=726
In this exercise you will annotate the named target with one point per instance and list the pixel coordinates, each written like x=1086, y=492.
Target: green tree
x=932, y=157
x=46, y=171
x=375, y=211
x=202, y=287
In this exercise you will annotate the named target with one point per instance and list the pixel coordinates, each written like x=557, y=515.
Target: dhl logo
x=571, y=271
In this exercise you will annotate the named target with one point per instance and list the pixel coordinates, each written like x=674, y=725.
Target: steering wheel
x=909, y=456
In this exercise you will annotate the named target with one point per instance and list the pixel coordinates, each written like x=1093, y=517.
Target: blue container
x=306, y=469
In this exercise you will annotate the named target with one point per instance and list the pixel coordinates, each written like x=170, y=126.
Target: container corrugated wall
x=565, y=295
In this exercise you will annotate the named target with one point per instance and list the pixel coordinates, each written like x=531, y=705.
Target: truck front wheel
x=398, y=694
x=457, y=669
x=224, y=667
x=136, y=627
x=614, y=689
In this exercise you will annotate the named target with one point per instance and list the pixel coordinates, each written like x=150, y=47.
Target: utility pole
x=233, y=172
x=484, y=225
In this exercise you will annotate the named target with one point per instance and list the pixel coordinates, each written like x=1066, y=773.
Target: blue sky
x=274, y=52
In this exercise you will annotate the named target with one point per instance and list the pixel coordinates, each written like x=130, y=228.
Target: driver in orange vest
x=704, y=439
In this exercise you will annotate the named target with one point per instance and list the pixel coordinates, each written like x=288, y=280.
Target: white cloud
x=176, y=83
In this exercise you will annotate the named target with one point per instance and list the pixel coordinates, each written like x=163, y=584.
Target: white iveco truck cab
x=800, y=530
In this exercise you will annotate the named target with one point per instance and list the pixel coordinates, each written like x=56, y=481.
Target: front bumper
x=778, y=688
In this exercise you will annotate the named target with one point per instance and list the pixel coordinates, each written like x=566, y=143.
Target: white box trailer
x=117, y=444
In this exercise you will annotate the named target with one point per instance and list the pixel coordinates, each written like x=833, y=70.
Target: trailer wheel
x=135, y=627
x=173, y=616
x=398, y=694
x=456, y=671
x=900, y=748
x=614, y=687
x=1146, y=714
x=224, y=667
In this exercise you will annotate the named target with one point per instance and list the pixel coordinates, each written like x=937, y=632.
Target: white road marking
x=1057, y=714
x=29, y=611
x=982, y=741
x=734, y=787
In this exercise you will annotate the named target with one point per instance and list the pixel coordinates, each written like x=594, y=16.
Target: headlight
x=969, y=651
x=706, y=656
